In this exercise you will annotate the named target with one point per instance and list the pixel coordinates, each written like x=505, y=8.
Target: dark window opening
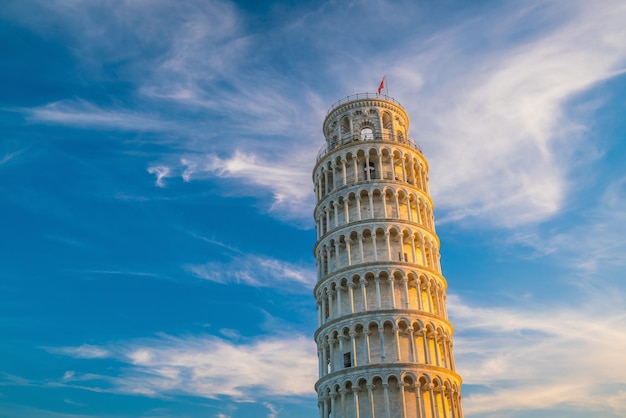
x=347, y=360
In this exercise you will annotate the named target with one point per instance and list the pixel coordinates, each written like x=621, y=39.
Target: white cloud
x=85, y=351
x=498, y=135
x=541, y=357
x=80, y=113
x=287, y=177
x=273, y=410
x=256, y=271
x=595, y=243
x=211, y=367
x=161, y=172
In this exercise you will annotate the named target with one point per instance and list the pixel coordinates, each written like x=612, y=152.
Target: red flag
x=381, y=86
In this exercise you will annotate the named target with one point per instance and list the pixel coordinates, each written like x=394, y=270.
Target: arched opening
x=367, y=134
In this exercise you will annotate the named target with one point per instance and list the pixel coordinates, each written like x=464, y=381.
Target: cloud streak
x=540, y=357
x=208, y=367
x=500, y=138
x=256, y=271
x=82, y=114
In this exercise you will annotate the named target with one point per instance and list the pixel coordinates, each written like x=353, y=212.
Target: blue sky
x=156, y=197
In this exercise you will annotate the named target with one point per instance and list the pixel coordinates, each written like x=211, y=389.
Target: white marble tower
x=384, y=340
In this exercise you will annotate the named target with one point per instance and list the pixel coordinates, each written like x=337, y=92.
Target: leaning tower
x=384, y=339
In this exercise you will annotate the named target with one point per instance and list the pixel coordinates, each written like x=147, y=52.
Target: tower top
x=362, y=96
x=365, y=117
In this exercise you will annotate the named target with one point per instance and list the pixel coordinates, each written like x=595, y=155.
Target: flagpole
x=387, y=85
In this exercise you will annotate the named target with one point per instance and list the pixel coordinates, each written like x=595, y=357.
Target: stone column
x=370, y=393
x=392, y=290
x=386, y=395
x=433, y=402
x=319, y=312
x=375, y=249
x=324, y=359
x=426, y=347
x=339, y=290
x=430, y=297
x=395, y=195
x=402, y=399
x=326, y=412
x=342, y=392
x=384, y=198
x=364, y=292
x=353, y=338
x=351, y=289
x=443, y=403
x=326, y=187
x=320, y=358
x=327, y=263
x=327, y=212
x=330, y=293
x=412, y=347
x=418, y=289
x=361, y=248
x=405, y=284
x=419, y=401
x=396, y=331
x=387, y=237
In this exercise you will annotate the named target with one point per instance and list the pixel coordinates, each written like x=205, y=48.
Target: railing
x=361, y=96
x=352, y=139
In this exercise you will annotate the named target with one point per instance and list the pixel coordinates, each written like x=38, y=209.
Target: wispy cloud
x=603, y=228
x=256, y=271
x=85, y=351
x=540, y=357
x=499, y=134
x=80, y=113
x=489, y=97
x=161, y=172
x=7, y=157
x=288, y=179
x=211, y=367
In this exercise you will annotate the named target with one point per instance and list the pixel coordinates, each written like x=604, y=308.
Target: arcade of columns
x=384, y=339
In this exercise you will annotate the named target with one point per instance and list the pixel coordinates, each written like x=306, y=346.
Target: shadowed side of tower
x=384, y=339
